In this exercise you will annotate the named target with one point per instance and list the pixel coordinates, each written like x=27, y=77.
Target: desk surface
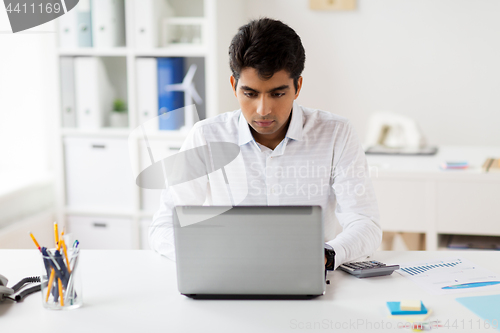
x=136, y=291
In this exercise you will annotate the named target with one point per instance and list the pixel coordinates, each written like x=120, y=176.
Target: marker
x=472, y=285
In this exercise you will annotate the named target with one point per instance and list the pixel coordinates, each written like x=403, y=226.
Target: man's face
x=266, y=104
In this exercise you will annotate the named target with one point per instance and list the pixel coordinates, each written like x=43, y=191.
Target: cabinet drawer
x=98, y=173
x=101, y=232
x=402, y=205
x=468, y=207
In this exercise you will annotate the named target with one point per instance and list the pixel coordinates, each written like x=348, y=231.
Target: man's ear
x=233, y=84
x=299, y=86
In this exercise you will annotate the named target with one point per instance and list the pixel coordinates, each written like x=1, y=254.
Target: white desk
x=136, y=291
x=415, y=195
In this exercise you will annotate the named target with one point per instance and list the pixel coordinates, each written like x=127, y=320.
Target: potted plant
x=119, y=115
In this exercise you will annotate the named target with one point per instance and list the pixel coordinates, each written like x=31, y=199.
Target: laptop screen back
x=250, y=250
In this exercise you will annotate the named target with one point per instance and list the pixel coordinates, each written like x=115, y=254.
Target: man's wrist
x=330, y=257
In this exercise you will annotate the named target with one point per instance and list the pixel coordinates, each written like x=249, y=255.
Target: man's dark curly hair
x=268, y=46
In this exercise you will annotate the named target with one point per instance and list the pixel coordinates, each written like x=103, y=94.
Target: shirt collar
x=245, y=136
x=294, y=129
x=296, y=124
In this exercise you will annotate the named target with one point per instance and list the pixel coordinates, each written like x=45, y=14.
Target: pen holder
x=61, y=282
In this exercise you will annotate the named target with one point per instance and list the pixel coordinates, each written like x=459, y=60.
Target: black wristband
x=330, y=257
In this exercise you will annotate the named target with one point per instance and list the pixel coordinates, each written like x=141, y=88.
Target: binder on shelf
x=108, y=23
x=84, y=24
x=147, y=92
x=68, y=92
x=68, y=29
x=148, y=16
x=170, y=71
x=94, y=93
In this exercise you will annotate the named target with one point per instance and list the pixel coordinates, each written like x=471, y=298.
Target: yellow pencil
x=65, y=254
x=49, y=286
x=61, y=298
x=36, y=243
x=56, y=233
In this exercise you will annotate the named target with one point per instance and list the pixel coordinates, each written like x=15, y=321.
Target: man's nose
x=264, y=107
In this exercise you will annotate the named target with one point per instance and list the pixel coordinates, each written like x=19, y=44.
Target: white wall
x=434, y=60
x=28, y=96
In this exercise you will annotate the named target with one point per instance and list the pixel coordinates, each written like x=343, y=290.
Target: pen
x=60, y=292
x=70, y=293
x=75, y=252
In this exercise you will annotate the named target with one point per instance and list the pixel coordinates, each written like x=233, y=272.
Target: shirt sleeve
x=357, y=209
x=193, y=192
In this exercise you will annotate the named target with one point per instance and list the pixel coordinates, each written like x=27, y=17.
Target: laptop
x=249, y=252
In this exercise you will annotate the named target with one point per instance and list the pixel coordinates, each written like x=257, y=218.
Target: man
x=289, y=154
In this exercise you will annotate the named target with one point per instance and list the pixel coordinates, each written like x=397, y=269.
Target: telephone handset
x=4, y=291
x=15, y=293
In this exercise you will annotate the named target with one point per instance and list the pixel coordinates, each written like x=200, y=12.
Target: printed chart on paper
x=450, y=276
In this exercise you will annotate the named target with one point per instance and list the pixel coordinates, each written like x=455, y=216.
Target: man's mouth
x=263, y=123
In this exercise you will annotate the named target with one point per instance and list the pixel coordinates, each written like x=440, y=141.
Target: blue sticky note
x=486, y=307
x=395, y=308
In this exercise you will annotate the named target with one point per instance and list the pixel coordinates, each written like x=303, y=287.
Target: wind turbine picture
x=191, y=96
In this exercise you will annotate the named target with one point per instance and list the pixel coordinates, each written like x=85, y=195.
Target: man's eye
x=278, y=94
x=250, y=94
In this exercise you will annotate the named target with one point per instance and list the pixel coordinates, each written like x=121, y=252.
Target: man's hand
x=329, y=257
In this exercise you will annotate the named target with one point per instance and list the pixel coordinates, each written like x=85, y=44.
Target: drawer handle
x=99, y=146
x=100, y=225
x=174, y=148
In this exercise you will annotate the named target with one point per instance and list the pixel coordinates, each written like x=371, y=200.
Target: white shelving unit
x=122, y=219
x=415, y=196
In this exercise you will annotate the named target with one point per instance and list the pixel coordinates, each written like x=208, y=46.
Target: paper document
x=450, y=276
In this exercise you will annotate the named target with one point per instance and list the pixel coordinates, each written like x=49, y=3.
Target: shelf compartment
x=89, y=86
x=403, y=241
x=453, y=242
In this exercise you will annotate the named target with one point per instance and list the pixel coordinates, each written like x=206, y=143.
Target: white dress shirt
x=319, y=162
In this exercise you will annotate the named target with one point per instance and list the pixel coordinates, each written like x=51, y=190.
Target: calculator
x=363, y=269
